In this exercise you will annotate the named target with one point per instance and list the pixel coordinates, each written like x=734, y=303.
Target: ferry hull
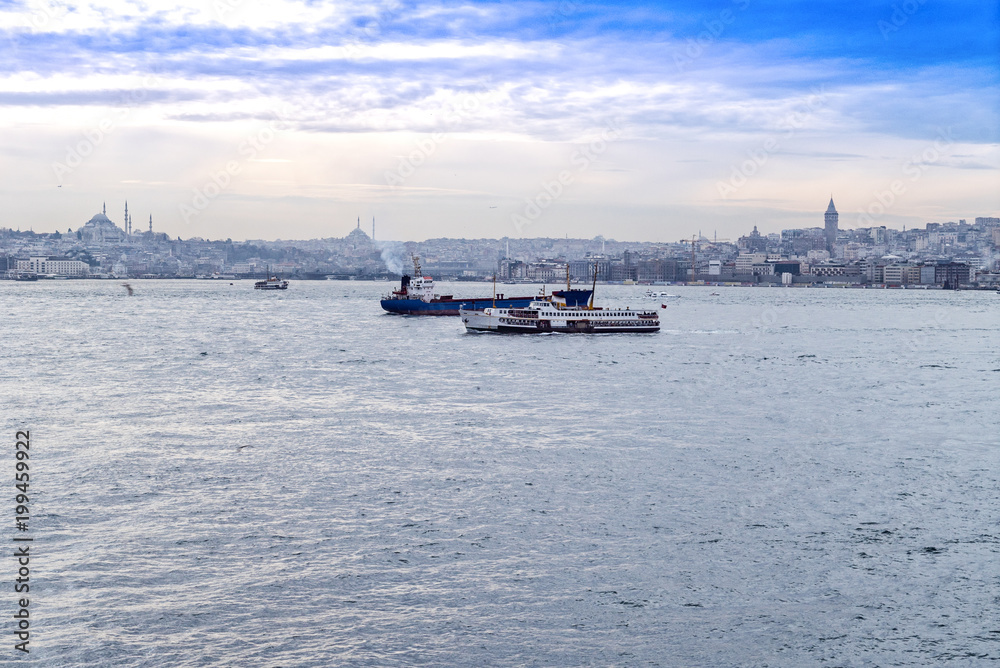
x=504, y=329
x=449, y=307
x=478, y=321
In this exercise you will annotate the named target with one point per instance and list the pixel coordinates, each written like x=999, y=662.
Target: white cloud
x=355, y=93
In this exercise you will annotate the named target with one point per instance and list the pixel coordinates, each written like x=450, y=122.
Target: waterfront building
x=792, y=267
x=894, y=274
x=873, y=270
x=991, y=280
x=582, y=269
x=58, y=266
x=951, y=274
x=753, y=243
x=835, y=269
x=624, y=271
x=657, y=269
x=546, y=271
x=513, y=269
x=746, y=261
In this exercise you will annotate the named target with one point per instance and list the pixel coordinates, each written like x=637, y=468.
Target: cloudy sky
x=638, y=121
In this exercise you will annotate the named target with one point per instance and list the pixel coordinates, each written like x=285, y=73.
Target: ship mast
x=593, y=288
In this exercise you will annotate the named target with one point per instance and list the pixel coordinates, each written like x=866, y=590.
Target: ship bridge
x=572, y=297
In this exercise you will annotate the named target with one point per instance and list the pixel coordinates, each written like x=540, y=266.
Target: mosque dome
x=101, y=229
x=98, y=219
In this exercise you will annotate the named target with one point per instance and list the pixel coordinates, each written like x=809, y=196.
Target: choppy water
x=781, y=477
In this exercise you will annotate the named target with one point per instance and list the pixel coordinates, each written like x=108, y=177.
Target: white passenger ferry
x=562, y=311
x=272, y=283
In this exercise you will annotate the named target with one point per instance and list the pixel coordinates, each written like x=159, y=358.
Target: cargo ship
x=415, y=296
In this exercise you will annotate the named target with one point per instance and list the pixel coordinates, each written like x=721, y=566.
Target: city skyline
x=829, y=225
x=638, y=122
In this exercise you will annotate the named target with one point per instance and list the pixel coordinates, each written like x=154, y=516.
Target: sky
x=642, y=121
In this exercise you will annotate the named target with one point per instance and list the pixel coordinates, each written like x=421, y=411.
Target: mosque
x=102, y=230
x=360, y=242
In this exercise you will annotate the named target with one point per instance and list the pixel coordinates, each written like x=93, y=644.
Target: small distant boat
x=661, y=295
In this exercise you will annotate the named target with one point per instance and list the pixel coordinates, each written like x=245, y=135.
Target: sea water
x=780, y=477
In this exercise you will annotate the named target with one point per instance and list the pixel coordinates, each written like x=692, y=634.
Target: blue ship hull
x=450, y=306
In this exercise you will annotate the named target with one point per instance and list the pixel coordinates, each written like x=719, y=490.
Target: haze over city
x=637, y=121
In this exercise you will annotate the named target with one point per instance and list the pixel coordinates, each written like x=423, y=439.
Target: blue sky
x=647, y=121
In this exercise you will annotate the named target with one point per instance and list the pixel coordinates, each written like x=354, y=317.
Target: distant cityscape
x=955, y=254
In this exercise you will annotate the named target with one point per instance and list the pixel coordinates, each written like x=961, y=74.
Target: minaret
x=830, y=217
x=359, y=222
x=373, y=228
x=104, y=210
x=150, y=223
